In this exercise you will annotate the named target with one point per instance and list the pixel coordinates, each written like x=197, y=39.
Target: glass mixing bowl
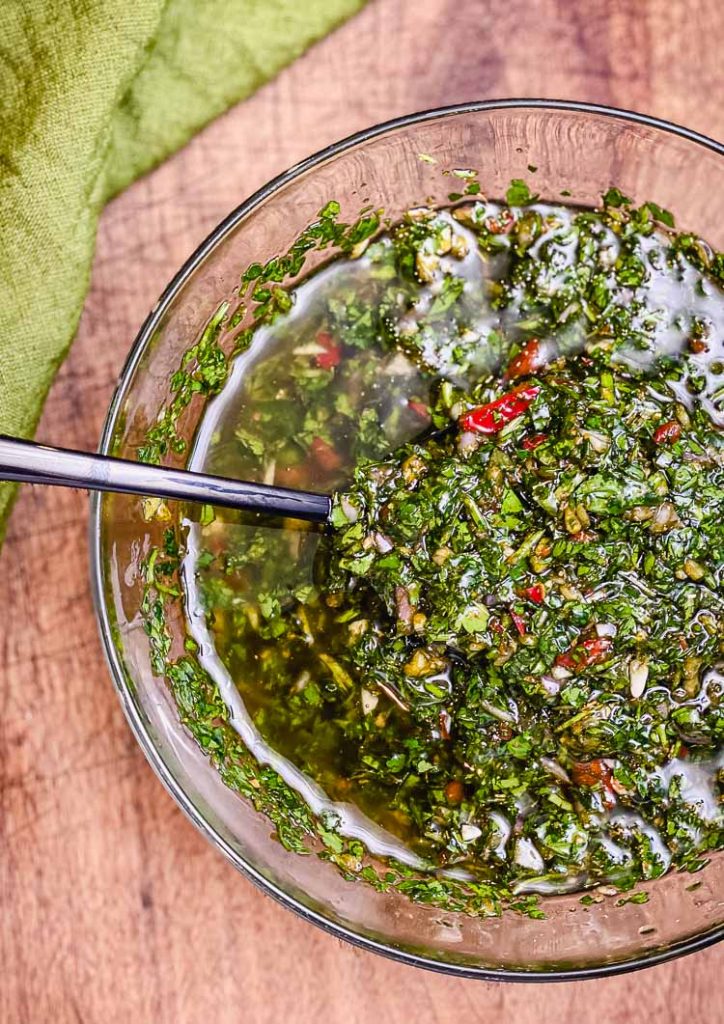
x=575, y=148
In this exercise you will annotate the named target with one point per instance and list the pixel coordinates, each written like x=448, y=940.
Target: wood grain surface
x=112, y=908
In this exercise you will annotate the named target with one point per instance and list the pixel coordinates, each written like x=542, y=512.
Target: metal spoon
x=31, y=463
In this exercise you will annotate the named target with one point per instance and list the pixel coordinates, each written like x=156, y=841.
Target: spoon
x=30, y=463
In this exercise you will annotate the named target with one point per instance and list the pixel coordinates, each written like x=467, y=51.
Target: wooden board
x=112, y=908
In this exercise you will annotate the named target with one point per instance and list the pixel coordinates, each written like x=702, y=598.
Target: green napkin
x=92, y=94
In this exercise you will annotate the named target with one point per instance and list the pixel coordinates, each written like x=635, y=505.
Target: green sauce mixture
x=507, y=653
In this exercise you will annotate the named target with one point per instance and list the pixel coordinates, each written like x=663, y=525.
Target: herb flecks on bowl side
x=507, y=652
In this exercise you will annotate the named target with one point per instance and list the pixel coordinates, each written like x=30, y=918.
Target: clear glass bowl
x=582, y=149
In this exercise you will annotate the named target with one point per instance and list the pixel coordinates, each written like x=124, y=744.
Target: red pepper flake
x=595, y=773
x=332, y=355
x=667, y=433
x=501, y=224
x=531, y=443
x=698, y=345
x=419, y=408
x=490, y=418
x=326, y=457
x=591, y=773
x=444, y=722
x=529, y=359
x=536, y=593
x=454, y=791
x=519, y=623
x=591, y=651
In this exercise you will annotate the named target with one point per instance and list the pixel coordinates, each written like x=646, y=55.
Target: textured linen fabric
x=92, y=94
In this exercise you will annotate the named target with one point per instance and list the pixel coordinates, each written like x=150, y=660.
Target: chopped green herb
x=508, y=649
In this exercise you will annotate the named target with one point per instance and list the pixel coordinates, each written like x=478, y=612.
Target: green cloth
x=92, y=94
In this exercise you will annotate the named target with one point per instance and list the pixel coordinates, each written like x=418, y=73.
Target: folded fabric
x=92, y=94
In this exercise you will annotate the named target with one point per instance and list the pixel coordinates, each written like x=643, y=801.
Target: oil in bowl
x=502, y=664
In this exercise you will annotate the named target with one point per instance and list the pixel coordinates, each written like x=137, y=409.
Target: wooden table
x=112, y=908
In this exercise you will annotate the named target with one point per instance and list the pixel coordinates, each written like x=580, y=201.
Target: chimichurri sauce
x=508, y=650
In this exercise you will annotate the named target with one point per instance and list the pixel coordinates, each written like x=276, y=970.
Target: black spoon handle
x=32, y=463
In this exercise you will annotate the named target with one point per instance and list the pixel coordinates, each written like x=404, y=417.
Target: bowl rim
x=112, y=656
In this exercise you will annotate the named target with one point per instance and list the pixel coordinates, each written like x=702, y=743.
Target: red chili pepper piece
x=519, y=623
x=536, y=593
x=325, y=455
x=419, y=408
x=332, y=355
x=490, y=418
x=531, y=443
x=667, y=433
x=529, y=359
x=591, y=651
